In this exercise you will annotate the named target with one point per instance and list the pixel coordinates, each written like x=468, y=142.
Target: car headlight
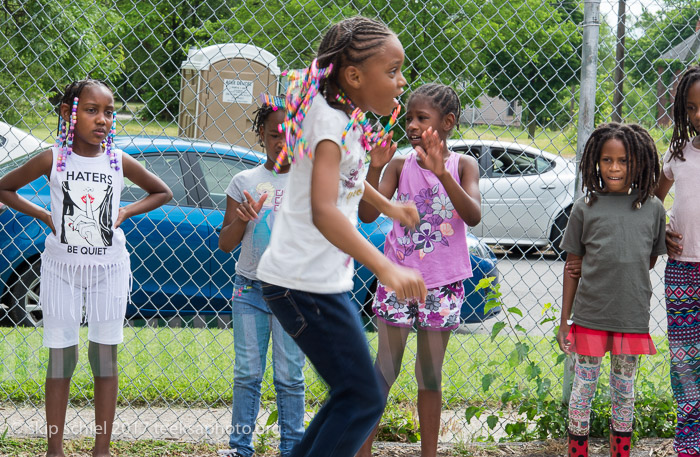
x=478, y=248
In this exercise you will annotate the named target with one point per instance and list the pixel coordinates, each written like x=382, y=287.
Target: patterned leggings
x=586, y=373
x=683, y=312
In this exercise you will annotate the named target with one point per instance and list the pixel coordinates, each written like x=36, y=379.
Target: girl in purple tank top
x=445, y=189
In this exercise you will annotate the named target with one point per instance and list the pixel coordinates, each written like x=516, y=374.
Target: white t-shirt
x=299, y=257
x=684, y=215
x=257, y=181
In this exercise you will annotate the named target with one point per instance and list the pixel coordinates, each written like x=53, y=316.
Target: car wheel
x=25, y=309
x=557, y=233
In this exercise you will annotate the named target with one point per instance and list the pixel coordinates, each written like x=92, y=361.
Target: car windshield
x=11, y=164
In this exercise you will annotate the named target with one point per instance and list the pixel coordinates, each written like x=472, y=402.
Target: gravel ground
x=174, y=425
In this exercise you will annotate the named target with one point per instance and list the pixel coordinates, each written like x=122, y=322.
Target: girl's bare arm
x=568, y=294
x=19, y=177
x=674, y=240
x=388, y=184
x=158, y=192
x=338, y=230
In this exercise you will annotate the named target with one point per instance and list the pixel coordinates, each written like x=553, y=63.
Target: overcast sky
x=608, y=8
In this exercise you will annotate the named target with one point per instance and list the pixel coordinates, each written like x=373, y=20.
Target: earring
x=68, y=147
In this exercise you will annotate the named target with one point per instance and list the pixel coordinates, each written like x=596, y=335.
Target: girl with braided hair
x=307, y=268
x=85, y=263
x=445, y=187
x=681, y=165
x=616, y=231
x=254, y=197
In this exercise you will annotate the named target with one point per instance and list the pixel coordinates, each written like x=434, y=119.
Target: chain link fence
x=534, y=77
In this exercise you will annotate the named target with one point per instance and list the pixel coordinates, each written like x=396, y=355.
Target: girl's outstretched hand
x=673, y=243
x=405, y=213
x=407, y=283
x=432, y=156
x=564, y=344
x=382, y=152
x=248, y=210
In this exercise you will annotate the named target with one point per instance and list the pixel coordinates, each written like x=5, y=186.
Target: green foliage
x=155, y=39
x=657, y=33
x=292, y=30
x=529, y=51
x=398, y=424
x=49, y=45
x=264, y=441
x=540, y=411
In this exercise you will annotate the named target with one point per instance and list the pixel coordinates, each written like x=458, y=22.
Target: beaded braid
x=351, y=41
x=643, y=166
x=64, y=142
x=683, y=130
x=269, y=105
x=442, y=97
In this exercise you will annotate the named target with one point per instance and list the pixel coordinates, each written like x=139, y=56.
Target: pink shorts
x=440, y=311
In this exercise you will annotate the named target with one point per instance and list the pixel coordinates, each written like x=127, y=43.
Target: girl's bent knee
x=62, y=362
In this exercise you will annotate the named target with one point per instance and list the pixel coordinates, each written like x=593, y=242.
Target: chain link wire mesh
x=187, y=75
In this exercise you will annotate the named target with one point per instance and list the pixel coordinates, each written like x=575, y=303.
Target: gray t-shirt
x=257, y=181
x=616, y=242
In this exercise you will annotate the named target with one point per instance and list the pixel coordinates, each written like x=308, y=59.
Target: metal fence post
x=586, y=118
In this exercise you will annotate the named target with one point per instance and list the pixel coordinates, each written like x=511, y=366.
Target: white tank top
x=84, y=206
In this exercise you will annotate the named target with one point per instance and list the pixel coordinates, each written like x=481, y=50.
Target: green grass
x=194, y=367
x=561, y=142
x=44, y=127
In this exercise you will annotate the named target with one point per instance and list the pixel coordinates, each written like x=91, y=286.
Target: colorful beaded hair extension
x=64, y=142
x=303, y=86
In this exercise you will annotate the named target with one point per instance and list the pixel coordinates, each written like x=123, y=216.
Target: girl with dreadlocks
x=307, y=267
x=617, y=231
x=85, y=264
x=254, y=197
x=681, y=166
x=445, y=187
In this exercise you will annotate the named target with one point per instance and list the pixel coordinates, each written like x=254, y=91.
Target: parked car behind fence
x=177, y=267
x=526, y=193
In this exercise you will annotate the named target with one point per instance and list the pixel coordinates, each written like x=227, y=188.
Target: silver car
x=15, y=143
x=526, y=193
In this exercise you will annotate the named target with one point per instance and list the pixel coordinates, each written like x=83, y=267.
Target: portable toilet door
x=221, y=87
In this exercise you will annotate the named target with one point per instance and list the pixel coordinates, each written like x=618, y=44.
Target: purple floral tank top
x=437, y=247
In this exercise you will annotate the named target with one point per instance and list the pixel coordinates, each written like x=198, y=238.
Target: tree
x=156, y=38
x=657, y=33
x=528, y=51
x=435, y=35
x=50, y=45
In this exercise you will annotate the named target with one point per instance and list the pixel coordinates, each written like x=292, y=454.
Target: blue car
x=177, y=267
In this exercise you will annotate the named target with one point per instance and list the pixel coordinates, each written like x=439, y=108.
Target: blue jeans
x=327, y=328
x=253, y=324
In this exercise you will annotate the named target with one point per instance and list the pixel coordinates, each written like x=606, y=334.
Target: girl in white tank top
x=85, y=265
